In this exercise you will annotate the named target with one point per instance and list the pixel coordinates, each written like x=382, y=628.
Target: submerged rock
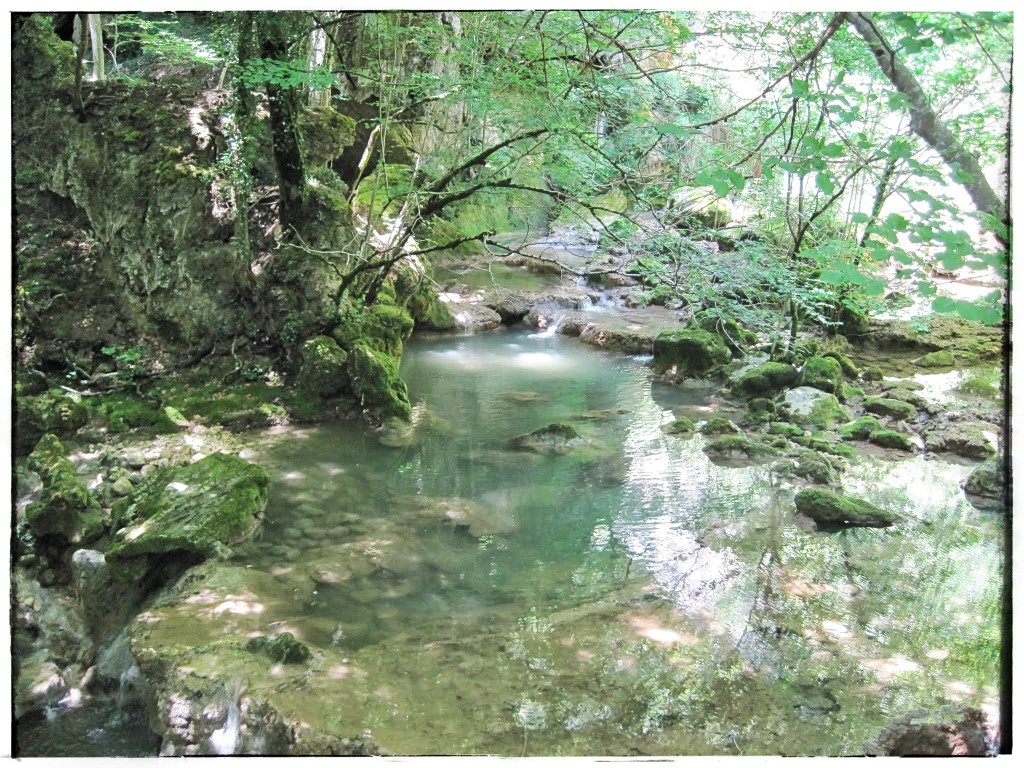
x=985, y=487
x=948, y=733
x=831, y=509
x=198, y=509
x=554, y=439
x=282, y=648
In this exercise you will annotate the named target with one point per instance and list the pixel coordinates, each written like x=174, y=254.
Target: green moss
x=200, y=508
x=846, y=364
x=727, y=445
x=887, y=438
x=785, y=429
x=822, y=445
x=891, y=408
x=427, y=310
x=282, y=648
x=822, y=412
x=939, y=359
x=123, y=412
x=690, y=352
x=48, y=413
x=815, y=467
x=859, y=429
x=375, y=381
x=718, y=426
x=322, y=367
x=679, y=426
x=761, y=410
x=829, y=508
x=822, y=373
x=383, y=326
x=325, y=134
x=732, y=333
x=65, y=508
x=849, y=392
x=438, y=232
x=853, y=322
x=873, y=373
x=765, y=380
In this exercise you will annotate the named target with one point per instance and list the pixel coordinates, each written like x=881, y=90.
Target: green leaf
x=860, y=218
x=962, y=177
x=896, y=222
x=943, y=305
x=801, y=88
x=832, y=276
x=825, y=182
x=833, y=149
x=926, y=288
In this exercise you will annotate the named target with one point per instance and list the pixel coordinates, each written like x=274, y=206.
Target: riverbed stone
x=765, y=380
x=808, y=406
x=554, y=439
x=65, y=509
x=941, y=358
x=829, y=508
x=376, y=382
x=859, y=429
x=689, y=352
x=51, y=412
x=890, y=408
x=718, y=426
x=848, y=367
x=985, y=487
x=680, y=425
x=889, y=438
x=951, y=732
x=962, y=437
x=822, y=373
x=732, y=446
x=198, y=509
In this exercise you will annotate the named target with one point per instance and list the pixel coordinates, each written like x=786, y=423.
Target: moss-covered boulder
x=822, y=373
x=199, y=509
x=51, y=412
x=985, y=487
x=873, y=373
x=785, y=429
x=830, y=509
x=964, y=438
x=889, y=438
x=326, y=133
x=739, y=447
x=766, y=380
x=65, y=510
x=847, y=365
x=853, y=322
x=810, y=465
x=689, y=352
x=375, y=381
x=808, y=406
x=554, y=439
x=890, y=408
x=718, y=426
x=761, y=410
x=428, y=311
x=860, y=429
x=680, y=425
x=322, y=367
x=127, y=412
x=735, y=336
x=941, y=358
x=825, y=443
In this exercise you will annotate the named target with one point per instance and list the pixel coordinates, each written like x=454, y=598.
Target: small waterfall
x=550, y=329
x=224, y=741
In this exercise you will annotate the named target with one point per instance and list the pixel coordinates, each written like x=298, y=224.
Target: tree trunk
x=80, y=34
x=283, y=108
x=317, y=58
x=926, y=124
x=96, y=36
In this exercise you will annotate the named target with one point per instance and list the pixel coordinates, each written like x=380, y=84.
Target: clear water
x=628, y=598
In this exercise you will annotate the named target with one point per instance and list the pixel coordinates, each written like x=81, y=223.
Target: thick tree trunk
x=926, y=124
x=96, y=36
x=283, y=108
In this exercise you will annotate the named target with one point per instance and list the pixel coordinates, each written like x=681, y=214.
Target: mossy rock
x=733, y=446
x=766, y=380
x=847, y=365
x=830, y=509
x=281, y=649
x=761, y=410
x=888, y=438
x=808, y=406
x=890, y=408
x=322, y=367
x=718, y=426
x=197, y=509
x=123, y=412
x=679, y=426
x=964, y=438
x=325, y=132
x=809, y=465
x=985, y=487
x=554, y=439
x=939, y=359
x=853, y=322
x=825, y=446
x=822, y=373
x=49, y=413
x=690, y=352
x=437, y=232
x=860, y=429
x=735, y=336
x=428, y=311
x=873, y=373
x=849, y=392
x=383, y=326
x=65, y=509
x=785, y=429
x=375, y=381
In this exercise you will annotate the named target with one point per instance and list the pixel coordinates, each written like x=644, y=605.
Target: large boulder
x=765, y=380
x=812, y=407
x=48, y=413
x=822, y=373
x=830, y=509
x=892, y=408
x=375, y=381
x=963, y=437
x=65, y=510
x=985, y=487
x=689, y=352
x=200, y=509
x=322, y=367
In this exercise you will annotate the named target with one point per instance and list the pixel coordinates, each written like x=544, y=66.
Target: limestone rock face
x=198, y=509
x=66, y=509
